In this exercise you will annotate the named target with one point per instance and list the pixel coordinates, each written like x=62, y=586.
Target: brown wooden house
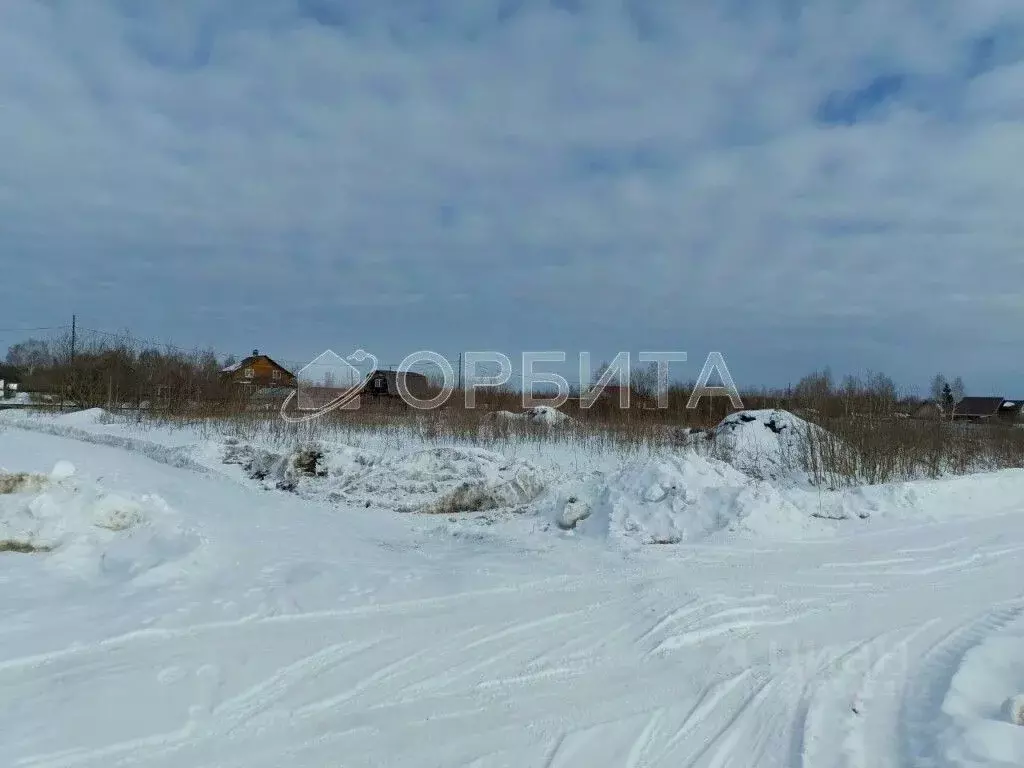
x=258, y=371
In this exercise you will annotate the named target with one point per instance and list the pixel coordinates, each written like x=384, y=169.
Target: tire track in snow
x=834, y=703
x=642, y=745
x=214, y=720
x=253, y=621
x=703, y=634
x=720, y=622
x=865, y=706
x=768, y=720
x=552, y=755
x=707, y=702
x=239, y=710
x=805, y=711
x=933, y=549
x=905, y=566
x=686, y=609
x=722, y=752
x=439, y=660
x=921, y=711
x=459, y=665
x=720, y=746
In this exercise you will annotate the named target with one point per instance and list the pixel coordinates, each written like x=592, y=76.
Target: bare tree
x=814, y=389
x=647, y=380
x=957, y=388
x=882, y=394
x=30, y=355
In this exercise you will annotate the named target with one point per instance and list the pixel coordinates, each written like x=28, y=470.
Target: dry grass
x=23, y=547
x=866, y=440
x=852, y=449
x=866, y=450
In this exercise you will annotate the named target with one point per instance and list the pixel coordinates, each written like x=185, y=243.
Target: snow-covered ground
x=175, y=599
x=17, y=400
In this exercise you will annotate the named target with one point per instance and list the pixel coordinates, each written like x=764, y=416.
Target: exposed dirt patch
x=20, y=482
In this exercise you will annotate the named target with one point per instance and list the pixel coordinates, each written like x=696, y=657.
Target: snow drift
x=539, y=416
x=984, y=708
x=437, y=480
x=669, y=499
x=672, y=498
x=434, y=481
x=1013, y=709
x=84, y=527
x=768, y=444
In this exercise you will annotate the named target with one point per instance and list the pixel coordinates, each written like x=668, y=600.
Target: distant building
x=10, y=381
x=380, y=385
x=384, y=383
x=259, y=372
x=1011, y=410
x=978, y=408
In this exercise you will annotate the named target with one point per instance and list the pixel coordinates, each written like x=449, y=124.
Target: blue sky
x=795, y=184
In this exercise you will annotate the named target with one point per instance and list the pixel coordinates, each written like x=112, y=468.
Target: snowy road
x=273, y=631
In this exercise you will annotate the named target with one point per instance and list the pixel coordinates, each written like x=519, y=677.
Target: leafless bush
x=90, y=371
x=870, y=450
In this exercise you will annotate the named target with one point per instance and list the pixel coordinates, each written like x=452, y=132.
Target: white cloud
x=662, y=160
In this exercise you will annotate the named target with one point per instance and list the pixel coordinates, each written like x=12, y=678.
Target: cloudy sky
x=796, y=184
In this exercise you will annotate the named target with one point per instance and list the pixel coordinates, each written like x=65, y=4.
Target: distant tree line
x=100, y=370
x=93, y=372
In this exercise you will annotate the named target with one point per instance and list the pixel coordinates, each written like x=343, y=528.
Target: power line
x=34, y=330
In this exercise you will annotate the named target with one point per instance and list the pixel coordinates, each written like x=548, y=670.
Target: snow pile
x=84, y=527
x=768, y=444
x=670, y=499
x=674, y=498
x=1013, y=709
x=539, y=416
x=436, y=481
x=984, y=706
x=920, y=501
x=546, y=416
x=271, y=469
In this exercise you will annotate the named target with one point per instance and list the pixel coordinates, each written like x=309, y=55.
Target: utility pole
x=460, y=371
x=70, y=374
